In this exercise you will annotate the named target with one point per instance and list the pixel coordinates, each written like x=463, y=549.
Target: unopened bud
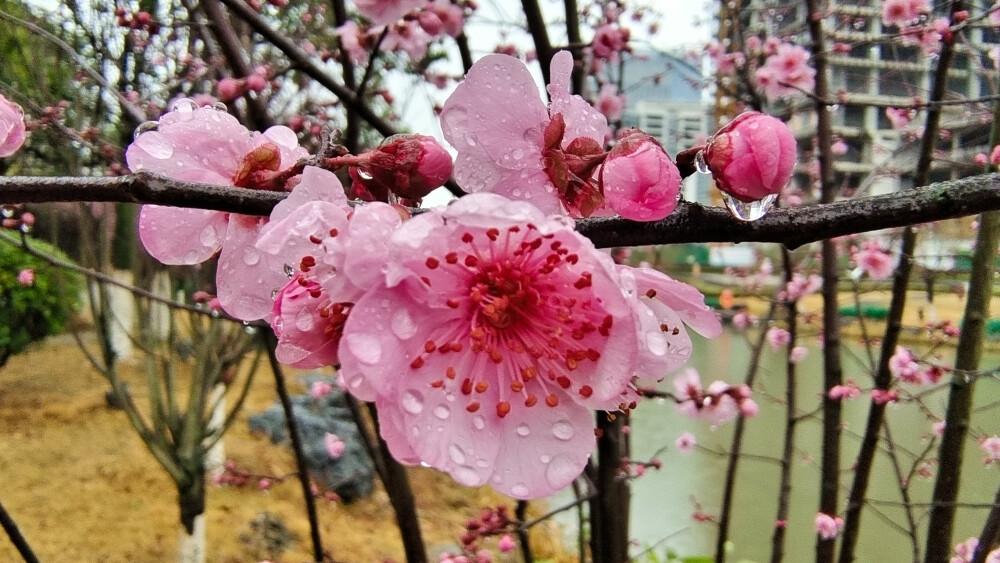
x=752, y=157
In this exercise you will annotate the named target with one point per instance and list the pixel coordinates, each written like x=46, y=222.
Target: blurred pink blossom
x=13, y=131
x=610, y=103
x=786, y=72
x=899, y=117
x=384, y=12
x=26, y=276
x=334, y=445
x=828, y=526
x=685, y=443
x=610, y=40
x=320, y=389
x=506, y=543
x=991, y=447
x=874, y=261
x=903, y=12
x=798, y=354
x=778, y=337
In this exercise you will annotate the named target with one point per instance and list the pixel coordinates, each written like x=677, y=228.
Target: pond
x=664, y=500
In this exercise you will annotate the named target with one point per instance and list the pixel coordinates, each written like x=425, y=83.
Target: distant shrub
x=31, y=309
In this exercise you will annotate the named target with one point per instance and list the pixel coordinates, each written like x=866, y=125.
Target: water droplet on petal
x=183, y=105
x=288, y=270
x=465, y=475
x=563, y=430
x=523, y=429
x=191, y=257
x=402, y=324
x=478, y=422
x=250, y=256
x=155, y=144
x=456, y=454
x=561, y=471
x=305, y=321
x=209, y=236
x=748, y=211
x=412, y=401
x=442, y=411
x=220, y=106
x=365, y=347
x=545, y=458
x=700, y=164
x=656, y=343
x=519, y=490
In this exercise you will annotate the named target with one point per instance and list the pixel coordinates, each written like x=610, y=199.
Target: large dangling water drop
x=144, y=127
x=748, y=211
x=699, y=163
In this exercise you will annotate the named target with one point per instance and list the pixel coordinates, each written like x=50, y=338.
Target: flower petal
x=246, y=278
x=175, y=235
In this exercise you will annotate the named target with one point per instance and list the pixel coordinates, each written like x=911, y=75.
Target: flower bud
x=256, y=83
x=411, y=166
x=307, y=326
x=752, y=157
x=230, y=89
x=12, y=128
x=639, y=180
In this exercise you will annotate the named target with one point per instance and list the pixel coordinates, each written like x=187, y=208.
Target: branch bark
x=690, y=222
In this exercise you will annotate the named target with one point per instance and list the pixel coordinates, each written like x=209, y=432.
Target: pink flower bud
x=752, y=157
x=506, y=544
x=230, y=89
x=411, y=166
x=639, y=180
x=12, y=129
x=334, y=445
x=256, y=82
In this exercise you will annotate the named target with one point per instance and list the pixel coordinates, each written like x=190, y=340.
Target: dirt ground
x=83, y=488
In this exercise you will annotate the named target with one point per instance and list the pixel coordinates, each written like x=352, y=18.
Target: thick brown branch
x=691, y=222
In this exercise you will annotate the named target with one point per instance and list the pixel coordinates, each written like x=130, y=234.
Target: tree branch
x=690, y=222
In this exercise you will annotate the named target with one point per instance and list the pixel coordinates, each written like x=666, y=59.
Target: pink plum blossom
x=786, y=72
x=13, y=131
x=506, y=544
x=938, y=428
x=407, y=36
x=639, y=180
x=352, y=41
x=510, y=143
x=209, y=145
x=882, y=396
x=800, y=286
x=717, y=404
x=334, y=445
x=874, y=261
x=384, y=12
x=849, y=390
x=899, y=117
x=903, y=365
x=610, y=40
x=991, y=447
x=230, y=88
x=320, y=389
x=742, y=320
x=828, y=527
x=495, y=330
x=610, y=102
x=778, y=337
x=752, y=157
x=340, y=255
x=26, y=276
x=798, y=354
x=685, y=443
x=663, y=309
x=903, y=12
